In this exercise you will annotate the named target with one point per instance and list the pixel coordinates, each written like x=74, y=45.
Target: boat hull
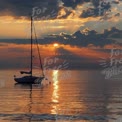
x=29, y=80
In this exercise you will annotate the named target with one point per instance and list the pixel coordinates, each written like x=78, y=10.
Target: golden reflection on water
x=55, y=94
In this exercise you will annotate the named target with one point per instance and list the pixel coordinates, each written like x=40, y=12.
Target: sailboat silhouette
x=30, y=79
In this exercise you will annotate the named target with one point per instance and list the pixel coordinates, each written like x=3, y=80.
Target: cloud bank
x=52, y=8
x=85, y=38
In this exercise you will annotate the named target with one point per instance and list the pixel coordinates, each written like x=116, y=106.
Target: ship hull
x=29, y=80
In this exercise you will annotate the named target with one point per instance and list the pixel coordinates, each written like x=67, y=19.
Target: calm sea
x=72, y=96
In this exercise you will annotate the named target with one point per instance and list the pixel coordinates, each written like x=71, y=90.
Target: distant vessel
x=30, y=79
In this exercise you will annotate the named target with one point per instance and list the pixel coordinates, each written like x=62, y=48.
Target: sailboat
x=29, y=78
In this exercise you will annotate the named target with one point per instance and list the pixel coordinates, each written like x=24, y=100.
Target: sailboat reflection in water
x=30, y=79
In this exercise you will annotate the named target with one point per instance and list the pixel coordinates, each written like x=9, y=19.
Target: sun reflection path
x=55, y=94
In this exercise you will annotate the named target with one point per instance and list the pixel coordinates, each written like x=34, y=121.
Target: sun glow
x=55, y=44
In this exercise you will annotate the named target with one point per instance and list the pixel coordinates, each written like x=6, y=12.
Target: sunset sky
x=83, y=29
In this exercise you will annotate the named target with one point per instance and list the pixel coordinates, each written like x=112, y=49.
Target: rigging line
x=38, y=50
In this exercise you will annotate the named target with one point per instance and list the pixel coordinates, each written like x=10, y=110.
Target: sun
x=55, y=44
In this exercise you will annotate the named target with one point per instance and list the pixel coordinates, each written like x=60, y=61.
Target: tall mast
x=31, y=44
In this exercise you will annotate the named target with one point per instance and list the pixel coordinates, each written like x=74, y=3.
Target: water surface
x=76, y=95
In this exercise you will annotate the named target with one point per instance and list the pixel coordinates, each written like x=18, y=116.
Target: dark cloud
x=115, y=2
x=15, y=41
x=80, y=39
x=117, y=15
x=73, y=3
x=84, y=39
x=43, y=8
x=99, y=9
x=15, y=7
x=47, y=9
x=24, y=8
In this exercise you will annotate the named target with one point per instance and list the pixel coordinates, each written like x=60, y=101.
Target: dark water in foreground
x=73, y=96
